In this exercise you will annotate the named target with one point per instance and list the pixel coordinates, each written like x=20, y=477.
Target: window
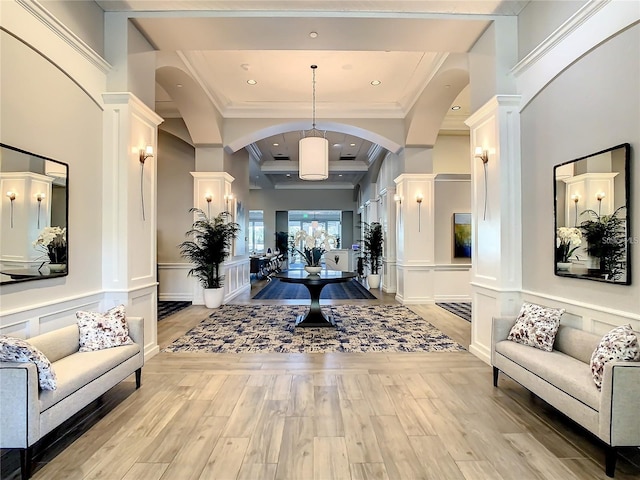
x=256, y=231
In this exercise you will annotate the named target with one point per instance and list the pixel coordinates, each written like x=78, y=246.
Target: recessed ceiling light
x=336, y=144
x=313, y=34
x=251, y=81
x=375, y=83
x=352, y=144
x=276, y=144
x=288, y=175
x=456, y=107
x=179, y=85
x=339, y=174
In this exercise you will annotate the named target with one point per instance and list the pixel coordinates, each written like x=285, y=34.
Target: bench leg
x=495, y=376
x=610, y=461
x=138, y=378
x=26, y=459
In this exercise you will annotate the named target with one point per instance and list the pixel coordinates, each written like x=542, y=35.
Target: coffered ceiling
x=251, y=60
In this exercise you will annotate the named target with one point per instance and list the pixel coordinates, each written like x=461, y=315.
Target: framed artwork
x=462, y=235
x=239, y=218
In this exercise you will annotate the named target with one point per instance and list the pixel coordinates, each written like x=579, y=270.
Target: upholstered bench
x=28, y=412
x=563, y=378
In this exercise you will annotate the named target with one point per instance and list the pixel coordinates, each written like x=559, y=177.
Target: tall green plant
x=211, y=245
x=373, y=240
x=606, y=240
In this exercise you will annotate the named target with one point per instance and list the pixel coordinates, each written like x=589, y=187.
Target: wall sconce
x=39, y=198
x=576, y=198
x=208, y=197
x=483, y=155
x=11, y=196
x=144, y=154
x=599, y=197
x=228, y=197
x=397, y=198
x=419, y=198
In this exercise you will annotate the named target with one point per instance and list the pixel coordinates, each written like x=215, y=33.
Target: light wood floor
x=322, y=416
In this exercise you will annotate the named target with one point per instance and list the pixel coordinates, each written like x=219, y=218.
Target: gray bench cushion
x=564, y=372
x=79, y=369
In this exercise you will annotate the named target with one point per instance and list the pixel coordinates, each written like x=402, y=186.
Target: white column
x=415, y=238
x=388, y=210
x=496, y=273
x=129, y=210
x=215, y=186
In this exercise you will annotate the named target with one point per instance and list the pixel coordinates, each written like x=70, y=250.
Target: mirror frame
x=627, y=219
x=42, y=274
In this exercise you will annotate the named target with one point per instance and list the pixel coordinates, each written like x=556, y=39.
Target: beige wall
x=44, y=112
x=176, y=161
x=593, y=105
x=451, y=154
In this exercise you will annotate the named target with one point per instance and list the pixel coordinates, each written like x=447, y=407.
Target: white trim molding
x=590, y=26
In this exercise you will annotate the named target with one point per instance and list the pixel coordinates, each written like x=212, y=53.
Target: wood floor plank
x=264, y=444
x=330, y=459
x=411, y=416
x=362, y=444
x=399, y=457
x=194, y=454
x=435, y=459
x=255, y=471
x=301, y=396
x=480, y=470
x=368, y=471
x=327, y=412
x=146, y=471
x=243, y=417
x=225, y=401
x=226, y=459
x=296, y=452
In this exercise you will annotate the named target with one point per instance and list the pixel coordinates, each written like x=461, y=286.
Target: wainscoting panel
x=452, y=283
x=173, y=283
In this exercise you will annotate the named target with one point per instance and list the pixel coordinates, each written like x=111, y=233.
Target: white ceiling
x=223, y=44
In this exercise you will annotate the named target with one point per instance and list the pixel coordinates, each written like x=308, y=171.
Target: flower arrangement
x=568, y=240
x=313, y=246
x=53, y=242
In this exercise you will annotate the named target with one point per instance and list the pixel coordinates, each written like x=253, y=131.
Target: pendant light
x=313, y=151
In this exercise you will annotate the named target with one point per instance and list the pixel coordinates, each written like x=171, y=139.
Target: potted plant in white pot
x=210, y=247
x=373, y=241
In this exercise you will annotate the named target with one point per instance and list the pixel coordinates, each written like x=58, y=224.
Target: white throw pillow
x=619, y=344
x=103, y=330
x=536, y=326
x=17, y=350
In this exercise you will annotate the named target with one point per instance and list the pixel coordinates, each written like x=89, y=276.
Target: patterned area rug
x=169, y=308
x=277, y=290
x=461, y=309
x=270, y=328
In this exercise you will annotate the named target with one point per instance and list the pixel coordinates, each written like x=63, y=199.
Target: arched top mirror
x=33, y=216
x=592, y=228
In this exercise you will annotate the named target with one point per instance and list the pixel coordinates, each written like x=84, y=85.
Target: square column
x=415, y=242
x=496, y=224
x=129, y=210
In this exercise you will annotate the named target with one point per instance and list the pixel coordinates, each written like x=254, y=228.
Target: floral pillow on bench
x=103, y=330
x=536, y=326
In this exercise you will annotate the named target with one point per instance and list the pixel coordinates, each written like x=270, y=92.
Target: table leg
x=315, y=317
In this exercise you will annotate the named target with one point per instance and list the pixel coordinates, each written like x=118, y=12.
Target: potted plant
x=606, y=241
x=53, y=242
x=373, y=240
x=210, y=247
x=568, y=240
x=313, y=247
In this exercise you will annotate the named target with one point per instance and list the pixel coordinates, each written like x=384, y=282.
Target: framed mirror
x=33, y=217
x=592, y=228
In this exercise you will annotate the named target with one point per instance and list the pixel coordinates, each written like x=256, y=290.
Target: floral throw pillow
x=619, y=344
x=103, y=330
x=17, y=350
x=536, y=326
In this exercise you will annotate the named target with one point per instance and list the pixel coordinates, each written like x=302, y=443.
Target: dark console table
x=315, y=284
